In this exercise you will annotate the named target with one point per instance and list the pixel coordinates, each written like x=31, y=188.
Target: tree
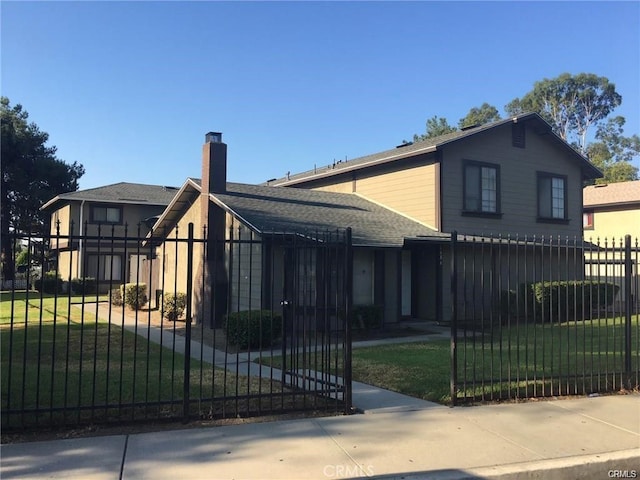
x=31, y=174
x=570, y=103
x=435, y=127
x=480, y=116
x=612, y=152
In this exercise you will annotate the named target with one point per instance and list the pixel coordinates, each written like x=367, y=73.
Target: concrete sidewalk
x=397, y=437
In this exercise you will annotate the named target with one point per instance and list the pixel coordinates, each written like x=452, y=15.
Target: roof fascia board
x=379, y=161
x=189, y=183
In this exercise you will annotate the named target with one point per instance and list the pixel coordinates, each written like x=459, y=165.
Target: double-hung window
x=552, y=197
x=481, y=188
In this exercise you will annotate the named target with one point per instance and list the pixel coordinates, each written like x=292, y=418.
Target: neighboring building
x=103, y=213
x=611, y=211
x=512, y=177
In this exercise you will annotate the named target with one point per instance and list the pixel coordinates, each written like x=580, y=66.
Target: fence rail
x=124, y=328
x=538, y=317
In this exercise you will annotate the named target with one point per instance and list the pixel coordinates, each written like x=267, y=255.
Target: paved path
x=584, y=438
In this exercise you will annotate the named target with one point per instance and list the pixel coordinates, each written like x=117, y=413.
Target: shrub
x=115, y=297
x=366, y=316
x=173, y=305
x=561, y=300
x=134, y=295
x=50, y=282
x=253, y=328
x=84, y=286
x=570, y=298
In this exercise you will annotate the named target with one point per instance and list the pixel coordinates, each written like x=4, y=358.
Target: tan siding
x=244, y=257
x=518, y=181
x=340, y=187
x=173, y=254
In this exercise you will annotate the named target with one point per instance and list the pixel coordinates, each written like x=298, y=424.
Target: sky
x=129, y=89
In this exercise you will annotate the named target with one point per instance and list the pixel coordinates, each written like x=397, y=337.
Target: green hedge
x=134, y=295
x=253, y=328
x=560, y=300
x=84, y=286
x=115, y=297
x=366, y=316
x=50, y=282
x=173, y=305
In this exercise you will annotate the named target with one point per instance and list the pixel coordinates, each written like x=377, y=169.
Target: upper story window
x=106, y=214
x=552, y=197
x=481, y=188
x=587, y=220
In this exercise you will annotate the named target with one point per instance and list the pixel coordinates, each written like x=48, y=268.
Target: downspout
x=80, y=241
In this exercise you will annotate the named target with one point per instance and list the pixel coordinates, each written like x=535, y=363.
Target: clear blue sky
x=129, y=89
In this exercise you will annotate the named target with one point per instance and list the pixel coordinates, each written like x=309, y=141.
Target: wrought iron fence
x=123, y=327
x=546, y=316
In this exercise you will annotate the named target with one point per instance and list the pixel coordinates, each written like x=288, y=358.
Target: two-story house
x=511, y=177
x=94, y=232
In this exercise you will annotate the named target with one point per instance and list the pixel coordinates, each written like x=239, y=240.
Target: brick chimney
x=214, y=180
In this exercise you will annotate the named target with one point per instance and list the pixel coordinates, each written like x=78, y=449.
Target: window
x=587, y=220
x=105, y=267
x=481, y=188
x=552, y=197
x=105, y=214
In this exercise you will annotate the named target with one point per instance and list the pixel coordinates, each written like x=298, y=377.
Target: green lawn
x=61, y=367
x=33, y=306
x=508, y=362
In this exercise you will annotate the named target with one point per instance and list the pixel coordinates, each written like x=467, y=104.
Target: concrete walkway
x=397, y=437
x=585, y=438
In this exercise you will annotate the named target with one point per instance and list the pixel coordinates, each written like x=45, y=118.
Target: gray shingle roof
x=293, y=210
x=123, y=192
x=430, y=145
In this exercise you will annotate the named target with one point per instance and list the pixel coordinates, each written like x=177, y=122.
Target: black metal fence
x=118, y=327
x=546, y=316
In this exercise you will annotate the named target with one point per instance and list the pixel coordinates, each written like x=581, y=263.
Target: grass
x=509, y=362
x=62, y=367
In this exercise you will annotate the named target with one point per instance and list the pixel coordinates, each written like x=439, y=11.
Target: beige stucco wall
x=614, y=223
x=518, y=184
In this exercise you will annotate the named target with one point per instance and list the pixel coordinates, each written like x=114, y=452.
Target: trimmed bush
x=173, y=305
x=50, y=282
x=366, y=316
x=253, y=328
x=115, y=297
x=134, y=295
x=84, y=286
x=558, y=300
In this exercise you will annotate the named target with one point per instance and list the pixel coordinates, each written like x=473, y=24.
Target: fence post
x=187, y=340
x=627, y=303
x=454, y=318
x=348, y=400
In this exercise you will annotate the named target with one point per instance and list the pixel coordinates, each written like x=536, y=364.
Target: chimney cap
x=213, y=137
